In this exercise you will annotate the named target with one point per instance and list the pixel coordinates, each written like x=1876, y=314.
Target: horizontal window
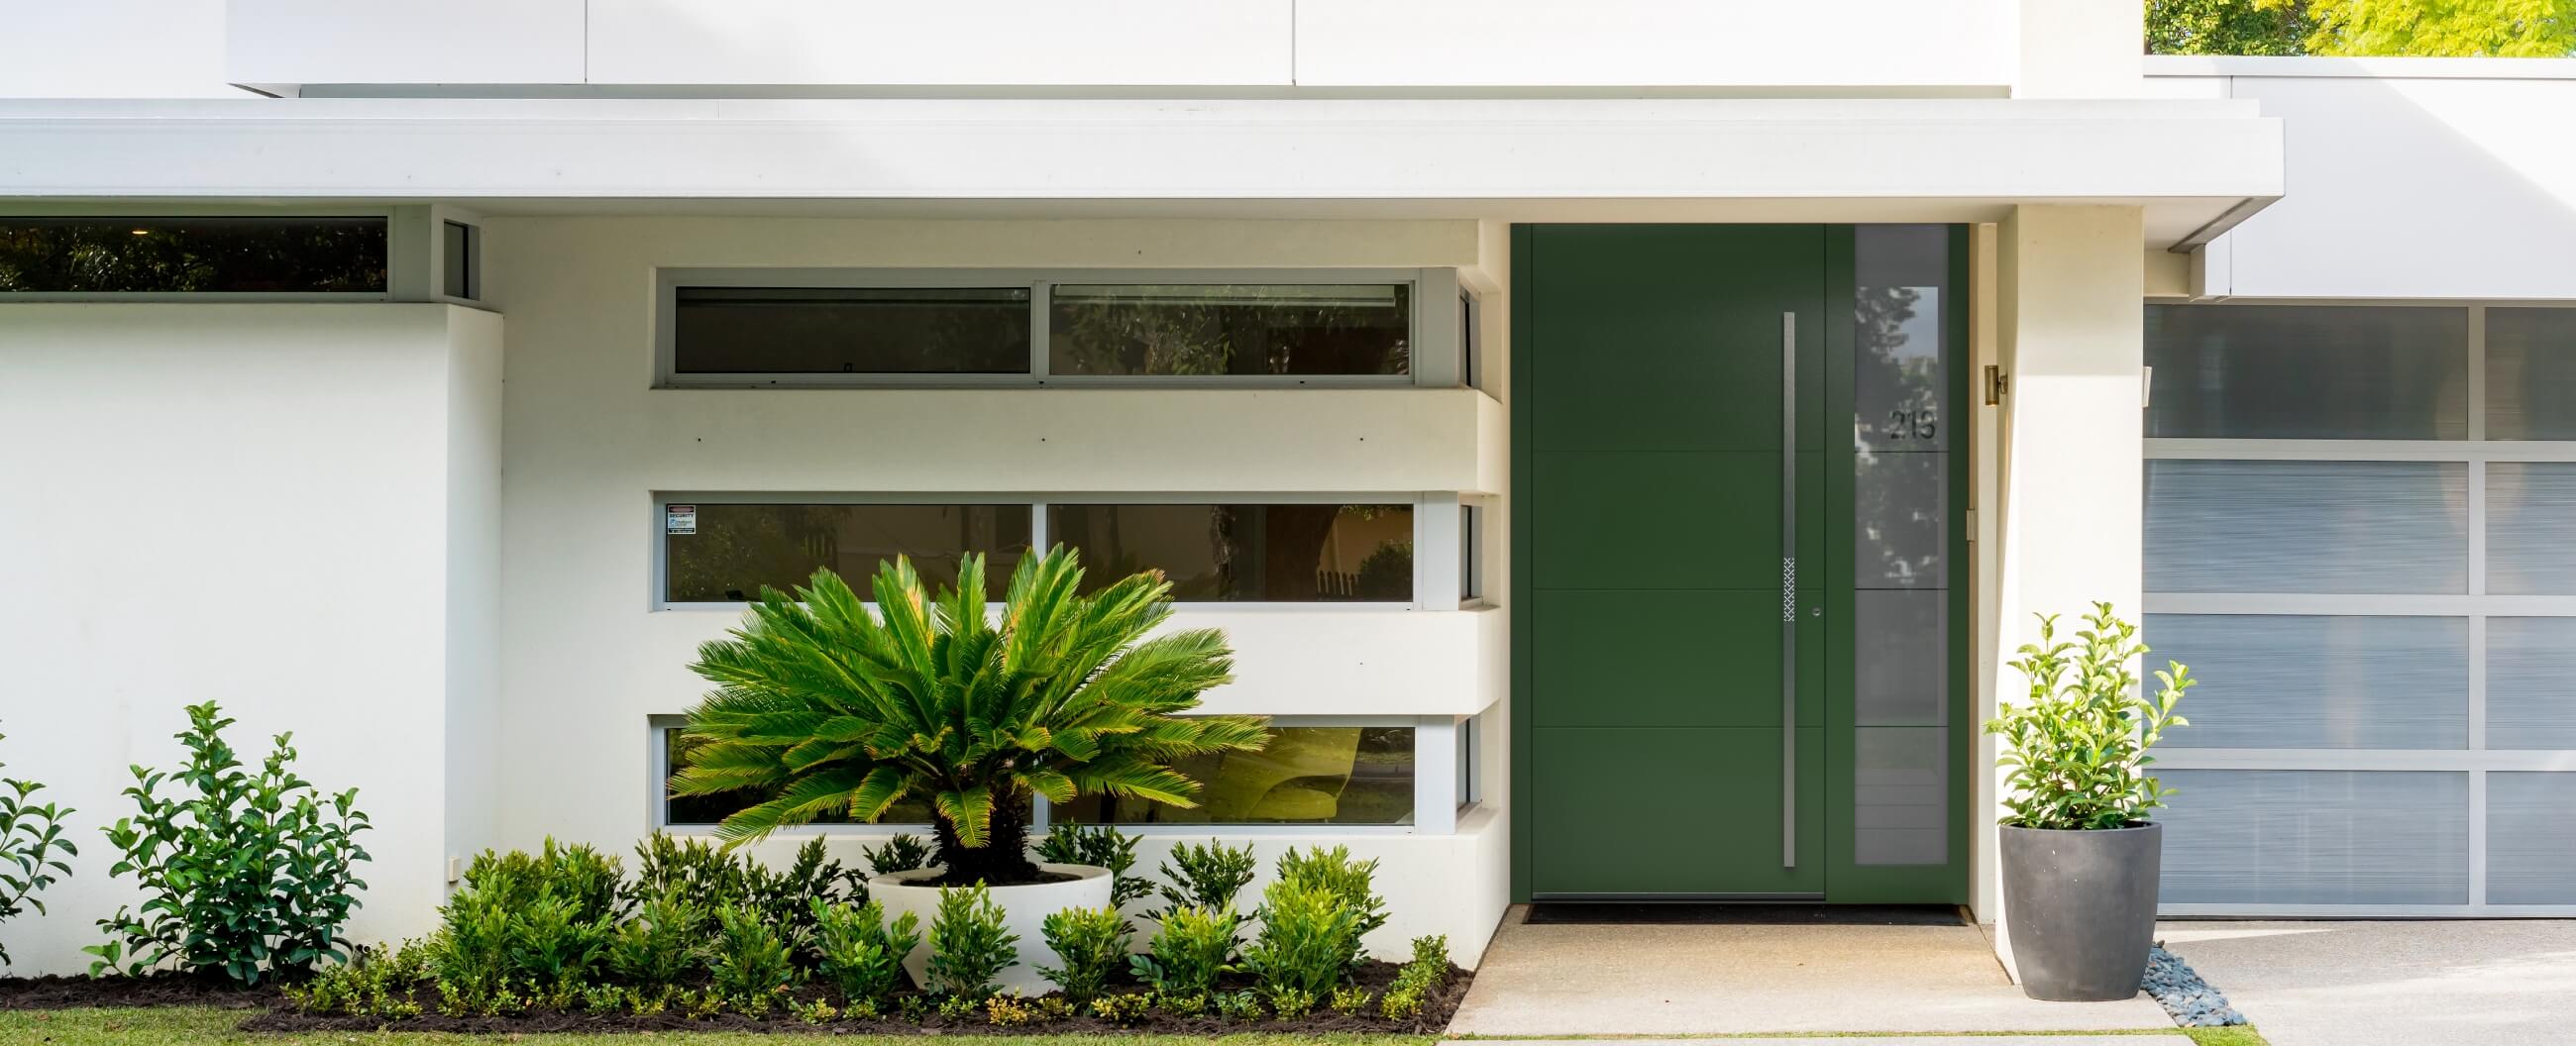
x=1276, y=329
x=1276, y=553
x=709, y=810
x=850, y=330
x=2308, y=372
x=1306, y=775
x=192, y=255
x=715, y=553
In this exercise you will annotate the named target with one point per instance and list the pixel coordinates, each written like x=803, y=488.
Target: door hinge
x=1998, y=385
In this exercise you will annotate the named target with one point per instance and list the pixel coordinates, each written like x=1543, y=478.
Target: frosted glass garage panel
x=2299, y=837
x=2319, y=682
x=2531, y=528
x=2531, y=374
x=2531, y=854
x=2531, y=683
x=2308, y=372
x=2398, y=527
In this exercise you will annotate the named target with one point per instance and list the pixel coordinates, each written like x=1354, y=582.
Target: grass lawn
x=156, y=1027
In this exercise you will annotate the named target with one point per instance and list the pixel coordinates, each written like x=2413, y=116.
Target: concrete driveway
x=2392, y=983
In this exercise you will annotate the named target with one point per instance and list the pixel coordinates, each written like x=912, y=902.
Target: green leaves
x=32, y=848
x=969, y=946
x=824, y=704
x=247, y=873
x=2078, y=752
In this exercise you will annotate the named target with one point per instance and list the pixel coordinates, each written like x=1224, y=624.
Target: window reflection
x=1292, y=553
x=1279, y=329
x=737, y=549
x=850, y=330
x=1306, y=775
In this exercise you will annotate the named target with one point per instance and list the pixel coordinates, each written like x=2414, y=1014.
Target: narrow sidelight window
x=1247, y=553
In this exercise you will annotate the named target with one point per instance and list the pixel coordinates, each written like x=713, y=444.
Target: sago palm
x=826, y=707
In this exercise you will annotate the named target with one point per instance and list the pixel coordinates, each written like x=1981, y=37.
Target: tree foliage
x=2456, y=28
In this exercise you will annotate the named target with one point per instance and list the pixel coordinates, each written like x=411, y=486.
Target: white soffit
x=2197, y=165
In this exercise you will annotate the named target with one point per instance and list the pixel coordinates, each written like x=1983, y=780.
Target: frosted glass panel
x=1901, y=802
x=2531, y=528
x=2285, y=837
x=2307, y=526
x=2531, y=853
x=1900, y=391
x=2319, y=682
x=2308, y=372
x=2531, y=683
x=1901, y=506
x=1900, y=657
x=2531, y=374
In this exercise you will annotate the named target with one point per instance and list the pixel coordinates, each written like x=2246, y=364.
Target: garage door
x=2361, y=531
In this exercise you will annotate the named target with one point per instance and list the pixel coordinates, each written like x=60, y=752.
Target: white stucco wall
x=282, y=508
x=587, y=659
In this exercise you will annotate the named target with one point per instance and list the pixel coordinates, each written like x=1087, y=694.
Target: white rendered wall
x=2070, y=334
x=115, y=49
x=1893, y=45
x=2410, y=178
x=587, y=659
x=282, y=508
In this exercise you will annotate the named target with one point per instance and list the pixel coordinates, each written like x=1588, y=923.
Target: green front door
x=1695, y=483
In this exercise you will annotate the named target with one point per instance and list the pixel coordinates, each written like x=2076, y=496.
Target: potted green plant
x=825, y=705
x=2080, y=859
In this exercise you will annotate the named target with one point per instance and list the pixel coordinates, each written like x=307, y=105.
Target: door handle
x=1788, y=590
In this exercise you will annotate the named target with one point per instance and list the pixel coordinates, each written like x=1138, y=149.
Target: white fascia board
x=948, y=149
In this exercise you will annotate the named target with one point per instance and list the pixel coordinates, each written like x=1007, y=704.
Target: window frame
x=397, y=245
x=1437, y=807
x=1426, y=326
x=1434, y=555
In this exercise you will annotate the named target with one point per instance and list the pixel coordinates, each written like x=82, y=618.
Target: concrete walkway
x=2175, y=1039
x=1557, y=979
x=2391, y=983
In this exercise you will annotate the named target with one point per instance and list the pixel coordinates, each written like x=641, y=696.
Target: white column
x=2070, y=334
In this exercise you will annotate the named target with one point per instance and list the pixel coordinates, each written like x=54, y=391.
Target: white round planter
x=1024, y=909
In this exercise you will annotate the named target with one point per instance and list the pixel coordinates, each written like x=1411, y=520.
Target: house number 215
x=1912, y=424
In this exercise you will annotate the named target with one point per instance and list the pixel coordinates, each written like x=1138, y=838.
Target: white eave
x=2197, y=166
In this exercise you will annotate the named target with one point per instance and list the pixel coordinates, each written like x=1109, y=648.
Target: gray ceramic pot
x=2081, y=907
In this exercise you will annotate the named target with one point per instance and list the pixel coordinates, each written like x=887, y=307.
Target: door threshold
x=1551, y=912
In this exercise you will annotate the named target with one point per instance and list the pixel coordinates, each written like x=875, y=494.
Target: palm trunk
x=1003, y=860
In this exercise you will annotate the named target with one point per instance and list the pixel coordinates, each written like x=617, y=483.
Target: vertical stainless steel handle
x=1788, y=590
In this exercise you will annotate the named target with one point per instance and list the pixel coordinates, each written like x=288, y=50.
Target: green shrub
x=661, y=945
x=1244, y=1005
x=1350, y=1000
x=32, y=849
x=1100, y=846
x=551, y=944
x=1428, y=970
x=1008, y=1011
x=1122, y=1009
x=752, y=966
x=903, y=853
x=1304, y=947
x=968, y=944
x=1333, y=871
x=714, y=877
x=1190, y=953
x=1209, y=876
x=861, y=953
x=2078, y=749
x=249, y=874
x=375, y=982
x=470, y=956
x=582, y=877
x=1092, y=942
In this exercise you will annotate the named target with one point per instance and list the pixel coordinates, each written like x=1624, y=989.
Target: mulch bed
x=42, y=993
x=160, y=989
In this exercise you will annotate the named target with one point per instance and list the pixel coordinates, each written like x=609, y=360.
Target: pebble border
x=2179, y=989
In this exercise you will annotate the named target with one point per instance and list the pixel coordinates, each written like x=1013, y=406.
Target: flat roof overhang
x=2195, y=166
